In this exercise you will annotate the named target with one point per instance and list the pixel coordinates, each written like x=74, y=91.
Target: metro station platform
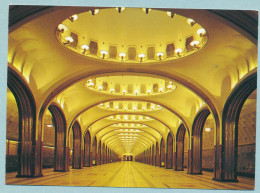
x=130, y=174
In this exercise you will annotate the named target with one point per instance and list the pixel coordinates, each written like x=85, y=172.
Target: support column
x=30, y=130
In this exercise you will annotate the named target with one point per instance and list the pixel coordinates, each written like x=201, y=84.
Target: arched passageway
x=94, y=151
x=230, y=121
x=169, y=151
x=180, y=147
x=196, y=141
x=153, y=155
x=87, y=152
x=99, y=153
x=103, y=154
x=77, y=153
x=162, y=153
x=157, y=158
x=60, y=155
x=30, y=145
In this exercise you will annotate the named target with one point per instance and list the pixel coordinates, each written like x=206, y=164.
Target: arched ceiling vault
x=150, y=130
x=204, y=77
x=134, y=132
x=139, y=143
x=103, y=122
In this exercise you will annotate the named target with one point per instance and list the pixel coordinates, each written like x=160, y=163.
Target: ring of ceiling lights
x=129, y=125
x=120, y=35
x=130, y=85
x=130, y=106
x=126, y=117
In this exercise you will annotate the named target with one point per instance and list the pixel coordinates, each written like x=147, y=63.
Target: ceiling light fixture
x=191, y=21
x=90, y=83
x=141, y=56
x=94, y=11
x=85, y=48
x=160, y=54
x=62, y=28
x=195, y=43
x=161, y=89
x=178, y=51
x=120, y=9
x=201, y=32
x=122, y=55
x=171, y=14
x=104, y=53
x=73, y=17
x=146, y=10
x=112, y=90
x=68, y=39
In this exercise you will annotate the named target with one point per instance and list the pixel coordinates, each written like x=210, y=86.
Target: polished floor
x=129, y=174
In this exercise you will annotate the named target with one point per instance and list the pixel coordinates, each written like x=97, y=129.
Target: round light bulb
x=85, y=47
x=194, y=43
x=178, y=51
x=141, y=55
x=201, y=31
x=62, y=27
x=190, y=21
x=69, y=39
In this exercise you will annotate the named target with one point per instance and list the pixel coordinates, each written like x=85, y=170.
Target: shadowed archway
x=99, y=153
x=169, y=151
x=30, y=145
x=94, y=151
x=60, y=158
x=157, y=158
x=162, y=153
x=77, y=153
x=196, y=141
x=180, y=147
x=230, y=121
x=87, y=152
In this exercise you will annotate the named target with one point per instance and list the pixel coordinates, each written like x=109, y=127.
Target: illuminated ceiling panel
x=130, y=85
x=130, y=106
x=126, y=117
x=121, y=36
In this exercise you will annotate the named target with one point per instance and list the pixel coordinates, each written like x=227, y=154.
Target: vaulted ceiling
x=132, y=77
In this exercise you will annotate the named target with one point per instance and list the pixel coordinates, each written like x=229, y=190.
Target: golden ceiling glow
x=120, y=35
x=130, y=106
x=130, y=85
x=129, y=125
x=126, y=117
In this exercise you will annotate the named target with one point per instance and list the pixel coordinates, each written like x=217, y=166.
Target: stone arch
x=30, y=145
x=157, y=158
x=152, y=154
x=103, y=153
x=87, y=152
x=196, y=141
x=180, y=148
x=162, y=153
x=59, y=120
x=99, y=153
x=230, y=118
x=77, y=154
x=94, y=151
x=169, y=152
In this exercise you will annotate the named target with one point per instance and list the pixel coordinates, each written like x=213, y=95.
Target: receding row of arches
x=169, y=153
